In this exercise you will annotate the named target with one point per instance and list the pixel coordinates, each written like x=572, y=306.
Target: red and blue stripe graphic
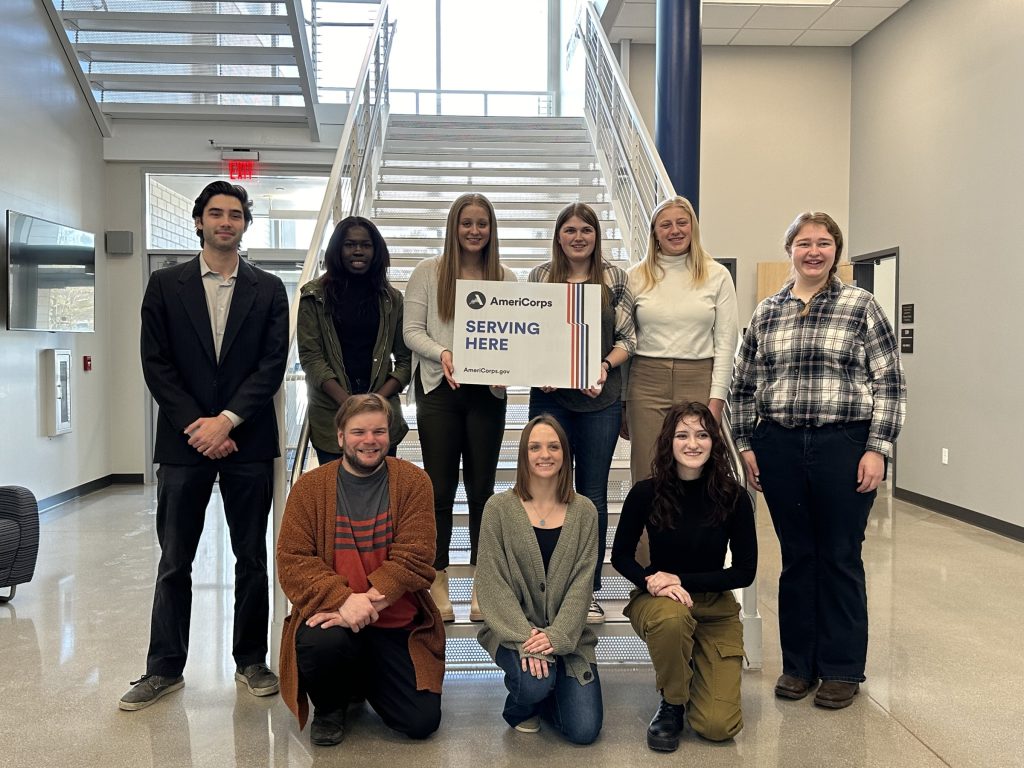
x=579, y=333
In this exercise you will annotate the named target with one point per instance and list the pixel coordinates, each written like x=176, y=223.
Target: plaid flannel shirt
x=839, y=364
x=622, y=302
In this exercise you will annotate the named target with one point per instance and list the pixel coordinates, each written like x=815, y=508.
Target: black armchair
x=19, y=537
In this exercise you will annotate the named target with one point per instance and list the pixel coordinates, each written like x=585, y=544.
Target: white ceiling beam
x=58, y=27
x=185, y=54
x=305, y=64
x=280, y=86
x=173, y=23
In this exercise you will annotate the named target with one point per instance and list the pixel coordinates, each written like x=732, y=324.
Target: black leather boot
x=664, y=731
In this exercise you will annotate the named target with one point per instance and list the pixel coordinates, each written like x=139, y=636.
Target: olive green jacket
x=320, y=357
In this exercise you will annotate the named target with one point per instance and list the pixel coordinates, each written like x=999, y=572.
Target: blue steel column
x=677, y=94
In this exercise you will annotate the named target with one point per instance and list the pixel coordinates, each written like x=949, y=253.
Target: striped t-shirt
x=363, y=532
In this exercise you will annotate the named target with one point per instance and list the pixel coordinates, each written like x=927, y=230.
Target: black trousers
x=183, y=493
x=466, y=423
x=337, y=665
x=809, y=477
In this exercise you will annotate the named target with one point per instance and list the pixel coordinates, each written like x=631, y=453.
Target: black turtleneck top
x=357, y=321
x=692, y=550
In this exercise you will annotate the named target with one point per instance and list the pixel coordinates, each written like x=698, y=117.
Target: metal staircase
x=529, y=168
x=406, y=179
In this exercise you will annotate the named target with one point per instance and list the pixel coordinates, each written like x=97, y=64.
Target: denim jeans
x=574, y=709
x=592, y=438
x=809, y=477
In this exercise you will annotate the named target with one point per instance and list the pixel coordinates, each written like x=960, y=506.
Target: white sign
x=527, y=334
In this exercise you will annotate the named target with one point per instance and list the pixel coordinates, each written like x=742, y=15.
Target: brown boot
x=836, y=694
x=475, y=614
x=439, y=594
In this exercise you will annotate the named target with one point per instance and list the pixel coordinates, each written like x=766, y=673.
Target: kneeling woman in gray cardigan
x=538, y=550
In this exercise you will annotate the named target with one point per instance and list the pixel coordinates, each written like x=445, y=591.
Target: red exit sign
x=240, y=170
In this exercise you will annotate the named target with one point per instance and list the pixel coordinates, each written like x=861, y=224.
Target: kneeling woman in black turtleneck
x=693, y=509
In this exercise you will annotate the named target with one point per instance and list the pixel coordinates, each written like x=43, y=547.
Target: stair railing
x=349, y=192
x=638, y=181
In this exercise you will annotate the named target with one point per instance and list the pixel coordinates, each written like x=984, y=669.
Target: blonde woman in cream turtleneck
x=686, y=329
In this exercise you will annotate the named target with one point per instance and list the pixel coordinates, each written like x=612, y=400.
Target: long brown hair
x=560, y=262
x=826, y=221
x=720, y=483
x=448, y=269
x=563, y=490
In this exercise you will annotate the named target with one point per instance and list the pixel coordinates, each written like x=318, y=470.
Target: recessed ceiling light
x=821, y=3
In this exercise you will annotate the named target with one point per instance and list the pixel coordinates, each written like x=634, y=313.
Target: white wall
x=52, y=167
x=936, y=156
x=775, y=141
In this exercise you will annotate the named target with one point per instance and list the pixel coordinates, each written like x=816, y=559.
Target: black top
x=357, y=324
x=693, y=550
x=547, y=539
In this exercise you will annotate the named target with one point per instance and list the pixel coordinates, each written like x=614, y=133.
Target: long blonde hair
x=448, y=269
x=651, y=271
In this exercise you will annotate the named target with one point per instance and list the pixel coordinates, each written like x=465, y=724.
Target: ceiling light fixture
x=819, y=3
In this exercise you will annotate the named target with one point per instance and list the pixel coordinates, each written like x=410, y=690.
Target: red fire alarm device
x=87, y=362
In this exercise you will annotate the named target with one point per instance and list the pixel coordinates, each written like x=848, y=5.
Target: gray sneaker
x=258, y=679
x=147, y=689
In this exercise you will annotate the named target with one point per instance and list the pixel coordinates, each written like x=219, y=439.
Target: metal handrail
x=348, y=192
x=638, y=181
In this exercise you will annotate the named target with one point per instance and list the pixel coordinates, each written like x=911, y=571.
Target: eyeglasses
x=349, y=245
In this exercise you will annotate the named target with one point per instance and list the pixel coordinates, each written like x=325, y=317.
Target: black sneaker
x=147, y=689
x=258, y=679
x=595, y=614
x=327, y=728
x=664, y=730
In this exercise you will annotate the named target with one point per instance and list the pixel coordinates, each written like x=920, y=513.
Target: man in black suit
x=214, y=345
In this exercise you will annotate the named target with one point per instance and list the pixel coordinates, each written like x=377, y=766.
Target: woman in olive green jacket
x=350, y=333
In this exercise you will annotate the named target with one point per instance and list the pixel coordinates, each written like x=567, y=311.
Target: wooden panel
x=771, y=275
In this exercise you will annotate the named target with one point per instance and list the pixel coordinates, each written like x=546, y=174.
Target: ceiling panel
x=863, y=19
x=765, y=37
x=784, y=17
x=717, y=36
x=727, y=16
x=829, y=37
x=833, y=25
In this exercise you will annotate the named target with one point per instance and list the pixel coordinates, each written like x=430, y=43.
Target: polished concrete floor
x=945, y=673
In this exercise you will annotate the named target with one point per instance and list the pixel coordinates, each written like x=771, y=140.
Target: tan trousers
x=711, y=635
x=654, y=386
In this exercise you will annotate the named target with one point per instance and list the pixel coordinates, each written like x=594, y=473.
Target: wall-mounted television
x=51, y=276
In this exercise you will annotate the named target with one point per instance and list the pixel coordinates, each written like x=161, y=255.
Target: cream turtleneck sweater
x=676, y=319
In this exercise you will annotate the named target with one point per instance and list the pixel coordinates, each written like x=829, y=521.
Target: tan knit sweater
x=305, y=565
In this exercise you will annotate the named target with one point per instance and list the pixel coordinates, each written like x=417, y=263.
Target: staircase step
x=450, y=175
x=542, y=210
x=488, y=161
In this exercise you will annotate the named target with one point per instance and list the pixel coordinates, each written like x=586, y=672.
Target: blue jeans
x=592, y=438
x=809, y=477
x=575, y=710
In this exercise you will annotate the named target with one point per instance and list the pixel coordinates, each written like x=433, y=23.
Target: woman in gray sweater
x=538, y=550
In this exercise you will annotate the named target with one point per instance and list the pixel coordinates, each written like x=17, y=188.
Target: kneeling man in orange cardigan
x=355, y=558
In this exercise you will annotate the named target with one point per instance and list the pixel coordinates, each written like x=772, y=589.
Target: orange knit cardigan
x=305, y=567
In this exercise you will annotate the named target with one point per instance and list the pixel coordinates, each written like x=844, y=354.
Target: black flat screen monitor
x=51, y=276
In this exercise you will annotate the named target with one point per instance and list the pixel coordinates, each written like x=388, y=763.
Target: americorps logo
x=476, y=300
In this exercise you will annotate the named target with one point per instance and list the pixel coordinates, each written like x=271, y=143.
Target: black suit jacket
x=186, y=379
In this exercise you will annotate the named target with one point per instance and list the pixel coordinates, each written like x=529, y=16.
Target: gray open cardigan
x=515, y=594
